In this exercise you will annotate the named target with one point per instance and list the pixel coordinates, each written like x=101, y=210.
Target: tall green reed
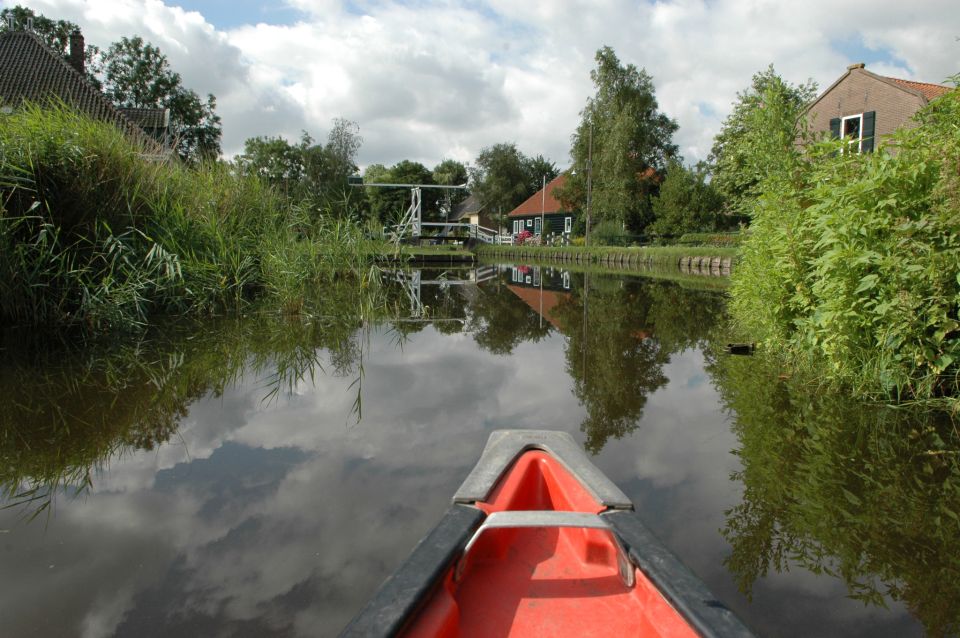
x=96, y=235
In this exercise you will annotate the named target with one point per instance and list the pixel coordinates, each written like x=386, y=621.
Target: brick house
x=864, y=106
x=542, y=208
x=31, y=71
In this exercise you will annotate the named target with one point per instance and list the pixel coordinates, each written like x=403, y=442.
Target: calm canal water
x=263, y=475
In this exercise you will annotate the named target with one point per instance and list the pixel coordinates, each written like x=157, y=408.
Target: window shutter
x=835, y=128
x=869, y=124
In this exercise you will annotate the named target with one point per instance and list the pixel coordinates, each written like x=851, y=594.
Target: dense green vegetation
x=687, y=202
x=94, y=235
x=756, y=129
x=853, y=262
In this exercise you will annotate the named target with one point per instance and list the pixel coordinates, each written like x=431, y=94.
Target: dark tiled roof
x=550, y=204
x=30, y=70
x=928, y=90
x=469, y=206
x=155, y=118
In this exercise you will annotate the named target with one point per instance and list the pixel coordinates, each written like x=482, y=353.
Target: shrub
x=853, y=262
x=609, y=233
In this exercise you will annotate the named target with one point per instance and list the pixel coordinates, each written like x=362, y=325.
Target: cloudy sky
x=428, y=80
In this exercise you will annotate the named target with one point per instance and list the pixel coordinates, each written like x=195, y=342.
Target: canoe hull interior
x=537, y=581
x=539, y=542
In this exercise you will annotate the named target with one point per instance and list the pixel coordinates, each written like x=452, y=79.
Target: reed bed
x=96, y=234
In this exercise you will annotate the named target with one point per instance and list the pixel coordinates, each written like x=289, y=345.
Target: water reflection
x=262, y=475
x=870, y=495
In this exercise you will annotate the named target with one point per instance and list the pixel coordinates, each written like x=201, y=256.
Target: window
x=567, y=224
x=516, y=226
x=851, y=129
x=529, y=223
x=566, y=279
x=857, y=130
x=536, y=276
x=536, y=226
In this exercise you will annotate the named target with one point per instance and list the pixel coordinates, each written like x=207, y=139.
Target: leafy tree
x=327, y=167
x=503, y=177
x=136, y=74
x=632, y=143
x=500, y=178
x=307, y=171
x=737, y=167
x=55, y=33
x=276, y=160
x=537, y=168
x=388, y=204
x=687, y=202
x=450, y=173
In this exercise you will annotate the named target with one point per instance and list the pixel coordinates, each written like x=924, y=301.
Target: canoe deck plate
x=504, y=446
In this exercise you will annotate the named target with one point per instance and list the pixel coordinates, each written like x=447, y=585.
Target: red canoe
x=539, y=542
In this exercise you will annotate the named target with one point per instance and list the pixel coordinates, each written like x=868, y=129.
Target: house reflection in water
x=541, y=288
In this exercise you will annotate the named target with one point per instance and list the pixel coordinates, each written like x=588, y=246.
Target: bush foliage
x=853, y=264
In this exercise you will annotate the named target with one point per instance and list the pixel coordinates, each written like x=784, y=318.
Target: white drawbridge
x=411, y=224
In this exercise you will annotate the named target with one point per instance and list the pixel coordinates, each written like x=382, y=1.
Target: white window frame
x=516, y=226
x=568, y=224
x=850, y=140
x=529, y=223
x=537, y=228
x=566, y=279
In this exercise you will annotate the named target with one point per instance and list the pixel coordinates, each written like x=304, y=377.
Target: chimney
x=76, y=50
x=858, y=65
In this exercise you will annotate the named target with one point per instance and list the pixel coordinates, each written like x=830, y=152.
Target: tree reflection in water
x=869, y=494
x=620, y=333
x=70, y=409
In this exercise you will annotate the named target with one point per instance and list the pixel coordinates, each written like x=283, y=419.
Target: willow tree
x=631, y=140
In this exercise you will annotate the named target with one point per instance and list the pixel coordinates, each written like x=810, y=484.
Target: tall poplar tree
x=632, y=144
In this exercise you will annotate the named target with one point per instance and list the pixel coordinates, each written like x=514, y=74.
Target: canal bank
x=693, y=260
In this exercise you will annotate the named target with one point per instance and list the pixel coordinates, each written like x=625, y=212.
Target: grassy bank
x=93, y=234
x=667, y=256
x=852, y=268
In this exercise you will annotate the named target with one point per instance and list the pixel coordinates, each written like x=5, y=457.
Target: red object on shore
x=539, y=542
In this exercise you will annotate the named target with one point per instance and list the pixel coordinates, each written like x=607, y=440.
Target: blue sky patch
x=855, y=51
x=229, y=14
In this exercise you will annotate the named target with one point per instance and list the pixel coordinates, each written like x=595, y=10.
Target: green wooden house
x=542, y=213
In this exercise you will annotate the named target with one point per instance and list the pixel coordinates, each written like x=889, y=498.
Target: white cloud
x=444, y=79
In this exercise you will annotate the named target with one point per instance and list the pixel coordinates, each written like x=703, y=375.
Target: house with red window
x=542, y=213
x=864, y=107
